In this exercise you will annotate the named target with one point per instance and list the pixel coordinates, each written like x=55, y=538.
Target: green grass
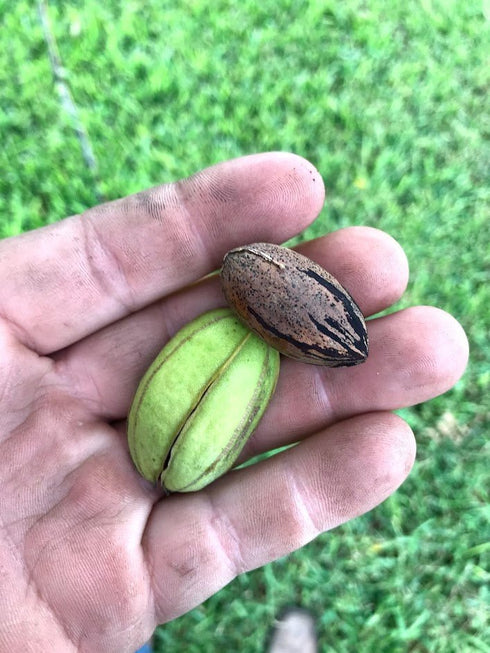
x=389, y=99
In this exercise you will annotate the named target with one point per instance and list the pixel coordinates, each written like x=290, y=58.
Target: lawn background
x=389, y=99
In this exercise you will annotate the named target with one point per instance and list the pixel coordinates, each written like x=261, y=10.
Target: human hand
x=91, y=556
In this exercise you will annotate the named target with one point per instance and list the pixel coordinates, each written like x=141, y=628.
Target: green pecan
x=199, y=401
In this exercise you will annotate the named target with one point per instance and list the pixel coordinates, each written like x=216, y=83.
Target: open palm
x=91, y=556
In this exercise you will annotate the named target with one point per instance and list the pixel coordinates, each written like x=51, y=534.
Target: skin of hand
x=92, y=557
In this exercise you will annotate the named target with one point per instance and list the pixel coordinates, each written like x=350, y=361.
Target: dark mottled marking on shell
x=294, y=305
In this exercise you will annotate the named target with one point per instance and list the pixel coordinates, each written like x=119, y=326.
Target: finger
x=198, y=543
x=106, y=367
x=415, y=354
x=69, y=279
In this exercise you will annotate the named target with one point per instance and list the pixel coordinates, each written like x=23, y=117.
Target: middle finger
x=104, y=369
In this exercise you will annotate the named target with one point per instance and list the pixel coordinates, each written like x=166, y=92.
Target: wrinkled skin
x=91, y=556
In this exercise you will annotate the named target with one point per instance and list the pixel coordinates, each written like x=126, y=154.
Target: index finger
x=65, y=281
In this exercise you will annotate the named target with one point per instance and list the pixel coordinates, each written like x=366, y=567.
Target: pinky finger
x=198, y=543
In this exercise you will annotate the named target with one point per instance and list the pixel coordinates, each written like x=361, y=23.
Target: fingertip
x=370, y=263
x=455, y=346
x=376, y=451
x=312, y=180
x=293, y=189
x=444, y=348
x=400, y=455
x=270, y=196
x=385, y=265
